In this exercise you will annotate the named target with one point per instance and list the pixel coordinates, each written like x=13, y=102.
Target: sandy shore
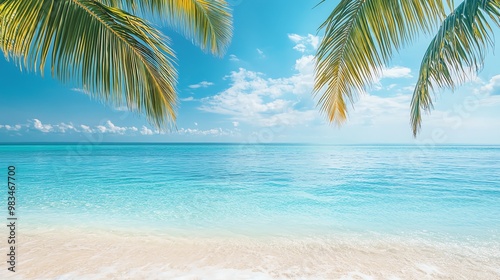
x=72, y=254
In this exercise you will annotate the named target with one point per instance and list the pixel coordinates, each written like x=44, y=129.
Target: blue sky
x=260, y=91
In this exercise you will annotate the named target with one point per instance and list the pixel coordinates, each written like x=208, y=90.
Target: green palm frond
x=207, y=22
x=3, y=24
x=458, y=49
x=360, y=38
x=114, y=55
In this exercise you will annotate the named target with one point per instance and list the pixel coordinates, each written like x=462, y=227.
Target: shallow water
x=257, y=211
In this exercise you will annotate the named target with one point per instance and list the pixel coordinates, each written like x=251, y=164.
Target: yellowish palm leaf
x=207, y=22
x=112, y=53
x=457, y=50
x=360, y=37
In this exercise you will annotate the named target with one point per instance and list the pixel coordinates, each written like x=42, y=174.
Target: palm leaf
x=457, y=50
x=360, y=38
x=116, y=56
x=207, y=22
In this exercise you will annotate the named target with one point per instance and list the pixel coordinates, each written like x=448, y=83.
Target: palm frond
x=360, y=37
x=457, y=50
x=114, y=55
x=207, y=22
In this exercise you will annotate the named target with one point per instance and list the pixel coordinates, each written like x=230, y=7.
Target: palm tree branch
x=116, y=56
x=360, y=38
x=128, y=44
x=336, y=105
x=207, y=22
x=456, y=51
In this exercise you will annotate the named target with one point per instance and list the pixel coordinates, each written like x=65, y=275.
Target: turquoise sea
x=442, y=197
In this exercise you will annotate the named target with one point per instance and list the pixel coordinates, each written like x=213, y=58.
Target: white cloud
x=304, y=43
x=236, y=124
x=115, y=129
x=305, y=65
x=16, y=127
x=60, y=128
x=190, y=98
x=295, y=37
x=234, y=58
x=465, y=111
x=101, y=129
x=488, y=95
x=207, y=132
x=203, y=84
x=372, y=109
x=261, y=53
x=391, y=86
x=110, y=127
x=42, y=127
x=396, y=72
x=63, y=127
x=256, y=99
x=492, y=87
x=290, y=117
x=245, y=98
x=300, y=47
x=86, y=128
x=146, y=131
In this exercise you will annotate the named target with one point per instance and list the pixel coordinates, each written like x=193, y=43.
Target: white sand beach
x=73, y=254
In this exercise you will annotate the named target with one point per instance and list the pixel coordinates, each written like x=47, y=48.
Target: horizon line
x=88, y=143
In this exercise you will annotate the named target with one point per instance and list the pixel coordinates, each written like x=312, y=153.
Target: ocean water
x=220, y=211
